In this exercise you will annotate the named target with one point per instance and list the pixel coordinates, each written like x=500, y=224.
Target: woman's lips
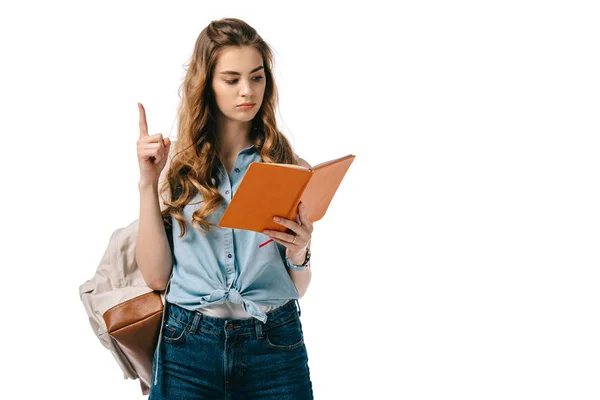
x=246, y=107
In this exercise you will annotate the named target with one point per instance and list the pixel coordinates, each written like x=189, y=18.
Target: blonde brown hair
x=194, y=163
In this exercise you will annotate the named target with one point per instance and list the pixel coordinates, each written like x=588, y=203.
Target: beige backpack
x=125, y=314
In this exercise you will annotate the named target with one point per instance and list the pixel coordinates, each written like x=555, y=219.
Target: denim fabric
x=204, y=357
x=228, y=264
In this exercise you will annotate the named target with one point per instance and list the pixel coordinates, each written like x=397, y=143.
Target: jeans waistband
x=196, y=321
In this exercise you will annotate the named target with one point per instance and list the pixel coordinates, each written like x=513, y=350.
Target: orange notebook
x=269, y=189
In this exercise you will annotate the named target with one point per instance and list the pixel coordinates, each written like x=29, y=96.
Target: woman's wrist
x=300, y=260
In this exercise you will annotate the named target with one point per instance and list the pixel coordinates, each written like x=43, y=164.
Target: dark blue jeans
x=204, y=357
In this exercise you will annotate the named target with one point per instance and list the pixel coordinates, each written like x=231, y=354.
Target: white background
x=459, y=258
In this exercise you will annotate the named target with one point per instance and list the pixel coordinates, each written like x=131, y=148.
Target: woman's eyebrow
x=237, y=73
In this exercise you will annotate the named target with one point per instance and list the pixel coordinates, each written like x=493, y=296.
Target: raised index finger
x=143, y=123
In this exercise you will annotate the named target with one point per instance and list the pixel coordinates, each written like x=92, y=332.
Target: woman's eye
x=234, y=81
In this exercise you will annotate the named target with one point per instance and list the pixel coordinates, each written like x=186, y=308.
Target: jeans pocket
x=287, y=336
x=174, y=330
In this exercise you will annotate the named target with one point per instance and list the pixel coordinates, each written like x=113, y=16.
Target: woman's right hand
x=152, y=152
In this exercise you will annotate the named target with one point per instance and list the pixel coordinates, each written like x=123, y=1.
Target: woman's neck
x=233, y=136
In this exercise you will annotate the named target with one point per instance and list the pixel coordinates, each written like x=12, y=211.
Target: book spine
x=292, y=212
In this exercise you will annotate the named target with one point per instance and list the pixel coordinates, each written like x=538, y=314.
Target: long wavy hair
x=193, y=167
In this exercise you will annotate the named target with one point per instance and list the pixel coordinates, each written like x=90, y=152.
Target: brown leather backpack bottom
x=135, y=325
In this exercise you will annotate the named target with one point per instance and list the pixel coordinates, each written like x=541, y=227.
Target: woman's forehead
x=239, y=60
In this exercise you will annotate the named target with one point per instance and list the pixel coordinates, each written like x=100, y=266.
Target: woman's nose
x=246, y=89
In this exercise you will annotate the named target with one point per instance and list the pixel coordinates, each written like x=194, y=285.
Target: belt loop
x=299, y=310
x=196, y=322
x=258, y=326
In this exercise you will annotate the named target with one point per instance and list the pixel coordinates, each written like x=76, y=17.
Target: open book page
x=287, y=165
x=325, y=163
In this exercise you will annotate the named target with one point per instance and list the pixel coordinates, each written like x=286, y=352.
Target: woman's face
x=239, y=78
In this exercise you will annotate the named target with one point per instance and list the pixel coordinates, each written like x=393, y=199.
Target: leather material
x=133, y=310
x=135, y=325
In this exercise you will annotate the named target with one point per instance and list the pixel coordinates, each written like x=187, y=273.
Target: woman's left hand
x=297, y=241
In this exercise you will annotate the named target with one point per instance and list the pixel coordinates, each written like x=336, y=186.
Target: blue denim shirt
x=228, y=264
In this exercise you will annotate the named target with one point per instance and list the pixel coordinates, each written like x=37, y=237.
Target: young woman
x=232, y=326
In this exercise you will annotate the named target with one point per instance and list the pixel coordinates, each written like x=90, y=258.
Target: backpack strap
x=169, y=231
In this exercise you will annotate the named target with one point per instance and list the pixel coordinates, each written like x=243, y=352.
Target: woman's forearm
x=301, y=279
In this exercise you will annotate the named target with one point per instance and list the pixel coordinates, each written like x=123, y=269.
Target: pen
x=265, y=243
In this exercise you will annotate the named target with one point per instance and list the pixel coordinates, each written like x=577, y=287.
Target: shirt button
x=229, y=255
x=237, y=170
x=227, y=192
